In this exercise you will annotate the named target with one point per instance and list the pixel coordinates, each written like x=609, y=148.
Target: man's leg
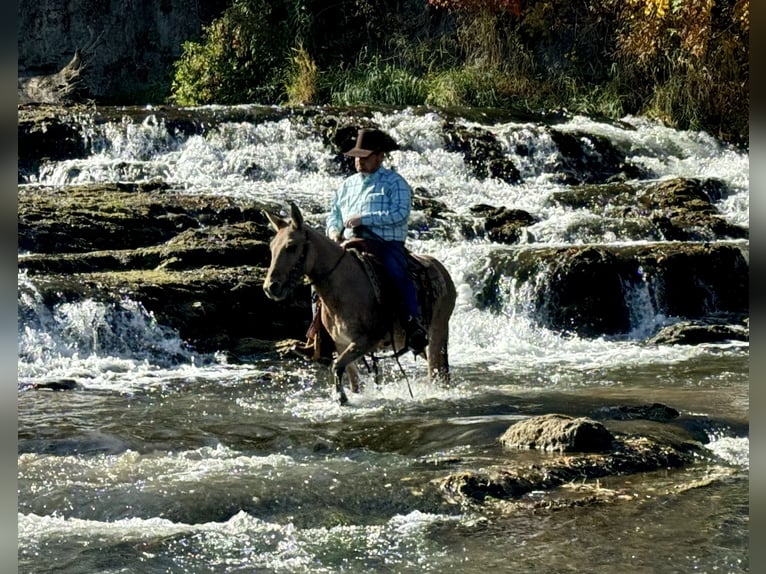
x=395, y=261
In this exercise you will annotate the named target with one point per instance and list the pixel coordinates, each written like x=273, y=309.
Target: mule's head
x=289, y=249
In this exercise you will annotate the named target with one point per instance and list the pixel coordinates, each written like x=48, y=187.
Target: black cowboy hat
x=371, y=140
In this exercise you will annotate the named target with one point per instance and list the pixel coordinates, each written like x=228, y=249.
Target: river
x=164, y=460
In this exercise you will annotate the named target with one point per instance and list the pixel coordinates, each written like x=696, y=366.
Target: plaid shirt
x=383, y=199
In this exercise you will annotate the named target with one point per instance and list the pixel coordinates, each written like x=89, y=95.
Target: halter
x=298, y=269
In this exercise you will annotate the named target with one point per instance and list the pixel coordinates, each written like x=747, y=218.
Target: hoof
x=343, y=399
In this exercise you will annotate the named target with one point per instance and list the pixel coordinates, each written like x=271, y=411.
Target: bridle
x=298, y=270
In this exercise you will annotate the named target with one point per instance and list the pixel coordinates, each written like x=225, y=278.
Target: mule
x=352, y=311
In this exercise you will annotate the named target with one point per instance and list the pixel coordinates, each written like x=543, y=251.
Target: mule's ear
x=276, y=222
x=296, y=216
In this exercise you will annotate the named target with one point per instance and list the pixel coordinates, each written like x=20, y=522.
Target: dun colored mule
x=358, y=322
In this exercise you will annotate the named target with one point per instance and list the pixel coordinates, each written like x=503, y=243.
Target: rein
x=327, y=274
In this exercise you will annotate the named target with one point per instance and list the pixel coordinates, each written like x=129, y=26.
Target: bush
x=238, y=60
x=301, y=84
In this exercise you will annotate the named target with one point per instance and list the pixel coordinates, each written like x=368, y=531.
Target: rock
x=63, y=87
x=585, y=289
x=653, y=412
x=56, y=385
x=590, y=158
x=482, y=153
x=628, y=456
x=584, y=293
x=679, y=209
x=504, y=225
x=196, y=263
x=560, y=433
x=695, y=333
x=682, y=210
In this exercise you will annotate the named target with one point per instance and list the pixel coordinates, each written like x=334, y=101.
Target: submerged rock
x=629, y=456
x=654, y=412
x=601, y=453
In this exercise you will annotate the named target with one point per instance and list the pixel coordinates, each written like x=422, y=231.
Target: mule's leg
x=345, y=361
x=338, y=376
x=436, y=352
x=438, y=361
x=353, y=377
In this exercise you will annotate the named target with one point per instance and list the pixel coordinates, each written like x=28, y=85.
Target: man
x=376, y=202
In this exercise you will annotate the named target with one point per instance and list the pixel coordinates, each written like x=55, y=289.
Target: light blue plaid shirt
x=382, y=198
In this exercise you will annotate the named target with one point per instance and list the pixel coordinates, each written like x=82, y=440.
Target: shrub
x=301, y=84
x=238, y=59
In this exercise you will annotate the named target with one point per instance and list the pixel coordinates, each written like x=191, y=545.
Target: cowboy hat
x=371, y=140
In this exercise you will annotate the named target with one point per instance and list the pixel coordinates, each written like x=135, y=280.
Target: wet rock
x=504, y=225
x=109, y=216
x=47, y=134
x=682, y=210
x=679, y=209
x=584, y=293
x=590, y=158
x=628, y=456
x=654, y=412
x=585, y=289
x=481, y=152
x=57, y=385
x=196, y=263
x=560, y=433
x=695, y=333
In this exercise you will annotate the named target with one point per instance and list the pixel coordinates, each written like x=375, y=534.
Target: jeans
x=395, y=261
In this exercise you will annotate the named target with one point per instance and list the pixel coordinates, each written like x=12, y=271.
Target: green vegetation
x=685, y=62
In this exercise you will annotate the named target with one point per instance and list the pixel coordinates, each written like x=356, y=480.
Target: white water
x=121, y=351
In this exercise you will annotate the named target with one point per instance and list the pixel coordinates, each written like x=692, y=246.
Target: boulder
x=698, y=332
x=590, y=158
x=504, y=225
x=560, y=433
x=482, y=153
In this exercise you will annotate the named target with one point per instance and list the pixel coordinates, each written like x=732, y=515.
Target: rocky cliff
x=128, y=47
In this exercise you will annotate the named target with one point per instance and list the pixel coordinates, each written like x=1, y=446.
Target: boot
x=417, y=337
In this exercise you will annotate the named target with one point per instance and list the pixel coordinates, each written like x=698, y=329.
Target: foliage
x=376, y=82
x=693, y=57
x=238, y=59
x=492, y=6
x=684, y=61
x=302, y=78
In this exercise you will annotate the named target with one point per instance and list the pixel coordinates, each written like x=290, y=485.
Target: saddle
x=428, y=281
x=370, y=254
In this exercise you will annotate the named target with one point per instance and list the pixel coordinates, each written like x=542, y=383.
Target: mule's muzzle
x=275, y=290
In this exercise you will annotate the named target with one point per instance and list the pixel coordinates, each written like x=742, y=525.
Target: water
x=166, y=460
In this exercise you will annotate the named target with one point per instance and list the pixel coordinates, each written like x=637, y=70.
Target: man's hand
x=335, y=236
x=353, y=221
